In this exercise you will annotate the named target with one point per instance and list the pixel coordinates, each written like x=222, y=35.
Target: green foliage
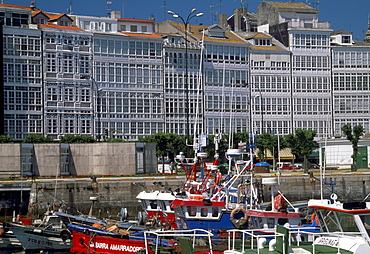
x=264, y=142
x=353, y=136
x=114, y=140
x=69, y=139
x=37, y=139
x=5, y=139
x=222, y=146
x=273, y=143
x=167, y=144
x=240, y=137
x=301, y=144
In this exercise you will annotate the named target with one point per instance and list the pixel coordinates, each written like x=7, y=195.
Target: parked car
x=298, y=165
x=313, y=166
x=289, y=166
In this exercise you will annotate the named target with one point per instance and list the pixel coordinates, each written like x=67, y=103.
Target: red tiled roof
x=17, y=6
x=38, y=12
x=142, y=35
x=56, y=17
x=60, y=27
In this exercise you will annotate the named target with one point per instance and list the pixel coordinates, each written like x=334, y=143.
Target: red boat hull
x=84, y=244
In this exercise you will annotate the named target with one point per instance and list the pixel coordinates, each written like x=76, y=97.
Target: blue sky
x=349, y=15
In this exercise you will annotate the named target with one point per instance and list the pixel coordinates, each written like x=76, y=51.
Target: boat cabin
x=157, y=207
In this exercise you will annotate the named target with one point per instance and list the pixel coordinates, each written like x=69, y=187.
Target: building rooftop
x=52, y=26
x=148, y=35
x=291, y=7
x=196, y=32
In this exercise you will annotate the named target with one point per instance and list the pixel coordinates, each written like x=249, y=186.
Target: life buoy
x=238, y=223
x=279, y=202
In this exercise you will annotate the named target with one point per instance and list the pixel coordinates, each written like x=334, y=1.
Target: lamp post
x=186, y=85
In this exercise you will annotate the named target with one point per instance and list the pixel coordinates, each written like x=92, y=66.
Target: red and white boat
x=157, y=211
x=151, y=242
x=83, y=243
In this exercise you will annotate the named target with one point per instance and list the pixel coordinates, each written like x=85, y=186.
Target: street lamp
x=186, y=85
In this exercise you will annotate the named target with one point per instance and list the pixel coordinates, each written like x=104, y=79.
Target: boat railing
x=239, y=238
x=191, y=234
x=243, y=239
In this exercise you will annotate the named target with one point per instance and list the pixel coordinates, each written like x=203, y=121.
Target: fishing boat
x=8, y=241
x=40, y=239
x=157, y=211
x=344, y=229
x=173, y=241
x=280, y=212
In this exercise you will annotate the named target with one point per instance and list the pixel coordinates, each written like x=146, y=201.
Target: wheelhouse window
x=366, y=221
x=153, y=204
x=332, y=221
x=204, y=212
x=192, y=211
x=215, y=211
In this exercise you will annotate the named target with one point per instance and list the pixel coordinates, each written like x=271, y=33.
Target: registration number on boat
x=327, y=241
x=40, y=242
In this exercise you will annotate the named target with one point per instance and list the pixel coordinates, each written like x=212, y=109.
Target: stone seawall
x=114, y=195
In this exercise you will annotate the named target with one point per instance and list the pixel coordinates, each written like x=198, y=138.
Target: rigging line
x=197, y=110
x=231, y=114
x=223, y=99
x=56, y=186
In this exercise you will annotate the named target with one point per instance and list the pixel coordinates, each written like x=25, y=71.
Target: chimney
x=115, y=15
x=238, y=14
x=223, y=20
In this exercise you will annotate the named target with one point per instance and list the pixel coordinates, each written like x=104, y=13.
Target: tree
x=70, y=138
x=5, y=139
x=275, y=144
x=37, y=139
x=167, y=144
x=264, y=142
x=353, y=137
x=301, y=144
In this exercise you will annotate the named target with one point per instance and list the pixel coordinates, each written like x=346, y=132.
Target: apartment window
x=68, y=94
x=52, y=94
x=144, y=29
x=14, y=19
x=68, y=63
x=69, y=126
x=123, y=28
x=63, y=23
x=346, y=39
x=264, y=42
x=85, y=126
x=108, y=27
x=40, y=21
x=133, y=28
x=85, y=95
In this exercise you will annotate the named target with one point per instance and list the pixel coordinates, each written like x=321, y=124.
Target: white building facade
x=129, y=78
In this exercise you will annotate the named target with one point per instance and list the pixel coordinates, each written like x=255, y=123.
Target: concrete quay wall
x=116, y=194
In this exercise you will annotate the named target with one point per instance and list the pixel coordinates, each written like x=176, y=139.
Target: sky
x=348, y=15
